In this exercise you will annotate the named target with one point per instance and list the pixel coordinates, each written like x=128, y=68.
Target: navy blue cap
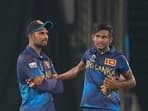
x=37, y=25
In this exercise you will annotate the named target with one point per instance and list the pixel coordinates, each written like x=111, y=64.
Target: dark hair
x=98, y=27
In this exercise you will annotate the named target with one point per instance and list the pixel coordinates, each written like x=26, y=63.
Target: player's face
x=40, y=38
x=102, y=40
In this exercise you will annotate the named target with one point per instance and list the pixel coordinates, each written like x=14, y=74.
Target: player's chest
x=103, y=64
x=43, y=65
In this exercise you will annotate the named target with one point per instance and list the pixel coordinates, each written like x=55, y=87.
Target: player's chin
x=100, y=47
x=44, y=44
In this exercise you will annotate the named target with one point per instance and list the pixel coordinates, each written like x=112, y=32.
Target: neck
x=37, y=50
x=102, y=51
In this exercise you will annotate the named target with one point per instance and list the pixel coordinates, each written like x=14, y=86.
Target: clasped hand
x=111, y=83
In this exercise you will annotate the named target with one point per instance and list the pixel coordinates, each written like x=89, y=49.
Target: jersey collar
x=33, y=52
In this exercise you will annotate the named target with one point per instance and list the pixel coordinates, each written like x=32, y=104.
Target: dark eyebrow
x=104, y=36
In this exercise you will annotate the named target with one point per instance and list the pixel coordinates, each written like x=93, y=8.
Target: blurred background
x=70, y=38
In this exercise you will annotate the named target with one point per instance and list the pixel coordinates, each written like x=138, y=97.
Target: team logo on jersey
x=110, y=62
x=47, y=64
x=32, y=65
x=92, y=58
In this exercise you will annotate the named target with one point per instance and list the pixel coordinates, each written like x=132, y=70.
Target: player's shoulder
x=90, y=51
x=119, y=55
x=115, y=52
x=25, y=56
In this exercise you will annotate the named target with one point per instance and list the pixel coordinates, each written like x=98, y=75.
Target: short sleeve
x=84, y=57
x=28, y=68
x=123, y=64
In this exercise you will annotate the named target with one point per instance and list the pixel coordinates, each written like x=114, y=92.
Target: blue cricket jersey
x=39, y=98
x=99, y=66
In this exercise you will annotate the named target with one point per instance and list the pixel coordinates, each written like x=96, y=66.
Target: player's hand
x=30, y=82
x=56, y=76
x=104, y=89
x=35, y=81
x=111, y=83
x=38, y=80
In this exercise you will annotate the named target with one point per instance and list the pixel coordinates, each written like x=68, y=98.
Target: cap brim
x=49, y=25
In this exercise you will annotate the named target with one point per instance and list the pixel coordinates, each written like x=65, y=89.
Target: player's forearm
x=69, y=74
x=39, y=80
x=73, y=72
x=126, y=84
x=51, y=85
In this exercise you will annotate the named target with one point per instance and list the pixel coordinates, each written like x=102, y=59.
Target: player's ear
x=111, y=40
x=93, y=37
x=31, y=36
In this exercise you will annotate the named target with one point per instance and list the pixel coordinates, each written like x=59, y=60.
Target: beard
x=41, y=45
